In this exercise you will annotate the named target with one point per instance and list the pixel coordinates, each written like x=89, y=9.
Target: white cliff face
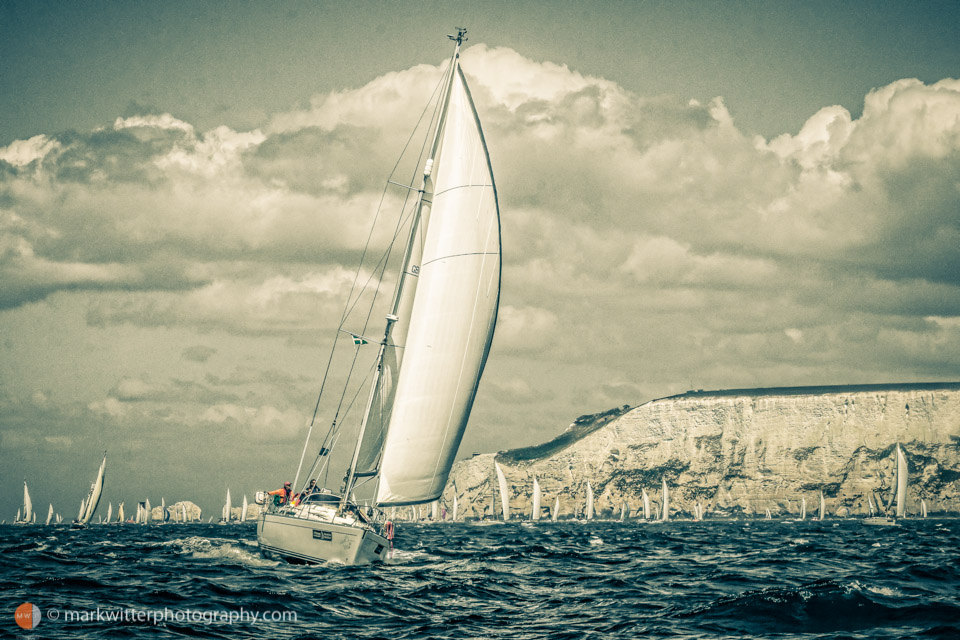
x=743, y=453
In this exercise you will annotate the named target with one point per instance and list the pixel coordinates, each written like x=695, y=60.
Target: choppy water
x=763, y=579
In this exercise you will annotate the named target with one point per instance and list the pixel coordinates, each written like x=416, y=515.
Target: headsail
x=453, y=313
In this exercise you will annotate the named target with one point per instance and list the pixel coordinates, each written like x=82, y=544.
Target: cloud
x=198, y=353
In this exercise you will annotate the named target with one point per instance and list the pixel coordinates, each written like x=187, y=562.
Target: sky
x=693, y=196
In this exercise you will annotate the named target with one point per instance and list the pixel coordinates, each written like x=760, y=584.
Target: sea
x=567, y=580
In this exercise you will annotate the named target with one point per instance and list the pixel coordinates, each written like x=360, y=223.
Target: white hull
x=881, y=521
x=303, y=540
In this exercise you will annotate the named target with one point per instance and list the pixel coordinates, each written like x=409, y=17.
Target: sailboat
x=89, y=506
x=27, y=507
x=225, y=519
x=49, y=515
x=504, y=495
x=535, y=511
x=923, y=508
x=623, y=512
x=588, y=510
x=769, y=516
x=109, y=513
x=646, y=504
x=871, y=506
x=183, y=508
x=432, y=354
x=803, y=509
x=120, y=513
x=665, y=512
x=147, y=511
x=243, y=509
x=822, y=512
x=555, y=513
x=900, y=496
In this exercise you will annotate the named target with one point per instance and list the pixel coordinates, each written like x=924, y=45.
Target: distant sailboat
x=900, y=495
x=93, y=498
x=435, y=510
x=27, y=507
x=504, y=500
x=871, y=506
x=120, y=513
x=226, y=509
x=147, y=511
x=183, y=508
x=623, y=512
x=588, y=511
x=243, y=509
x=822, y=513
x=49, y=515
x=109, y=513
x=83, y=510
x=556, y=509
x=923, y=508
x=769, y=516
x=535, y=513
x=665, y=512
x=646, y=504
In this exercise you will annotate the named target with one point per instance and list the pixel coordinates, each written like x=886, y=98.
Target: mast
x=405, y=270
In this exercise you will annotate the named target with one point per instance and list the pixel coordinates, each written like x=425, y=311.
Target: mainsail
x=504, y=497
x=588, y=512
x=901, y=483
x=535, y=513
x=27, y=503
x=452, y=314
x=665, y=513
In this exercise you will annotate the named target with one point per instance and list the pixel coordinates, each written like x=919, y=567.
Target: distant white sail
x=535, y=514
x=146, y=512
x=109, y=512
x=623, y=512
x=243, y=510
x=823, y=507
x=665, y=513
x=803, y=508
x=49, y=515
x=83, y=510
x=120, y=513
x=769, y=516
x=27, y=504
x=96, y=490
x=923, y=508
x=646, y=505
x=556, y=509
x=435, y=510
x=871, y=506
x=226, y=508
x=183, y=508
x=588, y=512
x=504, y=499
x=901, y=483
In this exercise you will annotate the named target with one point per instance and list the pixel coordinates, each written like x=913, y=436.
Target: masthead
x=461, y=36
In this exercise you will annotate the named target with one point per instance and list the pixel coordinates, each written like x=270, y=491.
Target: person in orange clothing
x=283, y=495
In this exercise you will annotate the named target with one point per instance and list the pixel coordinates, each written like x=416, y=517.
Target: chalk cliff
x=738, y=452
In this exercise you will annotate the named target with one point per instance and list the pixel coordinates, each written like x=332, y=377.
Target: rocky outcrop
x=738, y=452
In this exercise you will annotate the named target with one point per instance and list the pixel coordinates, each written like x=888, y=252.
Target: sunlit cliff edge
x=738, y=452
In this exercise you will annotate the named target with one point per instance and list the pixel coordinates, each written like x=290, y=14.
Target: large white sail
x=504, y=497
x=901, y=483
x=93, y=499
x=588, y=511
x=535, y=513
x=665, y=513
x=27, y=504
x=646, y=504
x=453, y=313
